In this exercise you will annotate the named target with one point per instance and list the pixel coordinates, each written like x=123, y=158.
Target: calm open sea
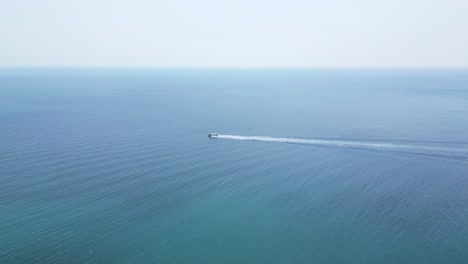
x=346, y=166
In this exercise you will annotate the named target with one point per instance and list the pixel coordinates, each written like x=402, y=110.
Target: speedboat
x=212, y=135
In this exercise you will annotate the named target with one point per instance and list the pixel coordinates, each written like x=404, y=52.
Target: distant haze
x=234, y=33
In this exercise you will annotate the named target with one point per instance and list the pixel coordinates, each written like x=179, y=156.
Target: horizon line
x=231, y=67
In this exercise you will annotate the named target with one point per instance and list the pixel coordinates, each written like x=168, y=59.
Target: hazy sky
x=234, y=33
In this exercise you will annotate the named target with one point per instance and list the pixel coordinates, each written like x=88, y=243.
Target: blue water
x=115, y=166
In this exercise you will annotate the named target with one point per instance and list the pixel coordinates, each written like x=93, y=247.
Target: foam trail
x=350, y=144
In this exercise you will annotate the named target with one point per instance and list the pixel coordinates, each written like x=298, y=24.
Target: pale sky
x=234, y=33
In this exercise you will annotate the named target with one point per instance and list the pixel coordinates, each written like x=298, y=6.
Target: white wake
x=350, y=144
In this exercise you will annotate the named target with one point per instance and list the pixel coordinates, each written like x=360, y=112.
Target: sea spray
x=434, y=151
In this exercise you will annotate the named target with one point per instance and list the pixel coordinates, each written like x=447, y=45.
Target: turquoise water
x=115, y=166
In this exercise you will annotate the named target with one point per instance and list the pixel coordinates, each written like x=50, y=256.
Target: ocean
x=310, y=165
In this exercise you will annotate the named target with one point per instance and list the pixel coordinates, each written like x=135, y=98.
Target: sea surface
x=311, y=166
